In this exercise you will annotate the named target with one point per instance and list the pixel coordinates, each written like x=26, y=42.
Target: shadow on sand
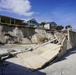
x=9, y=68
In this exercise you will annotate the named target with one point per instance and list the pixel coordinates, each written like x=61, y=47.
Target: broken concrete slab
x=59, y=37
x=32, y=60
x=38, y=58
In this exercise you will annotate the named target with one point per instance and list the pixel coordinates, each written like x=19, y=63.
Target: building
x=50, y=25
x=33, y=22
x=10, y=20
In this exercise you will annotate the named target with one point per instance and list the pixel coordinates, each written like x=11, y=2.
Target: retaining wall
x=72, y=37
x=25, y=34
x=68, y=43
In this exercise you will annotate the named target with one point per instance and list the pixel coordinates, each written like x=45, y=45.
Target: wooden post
x=68, y=30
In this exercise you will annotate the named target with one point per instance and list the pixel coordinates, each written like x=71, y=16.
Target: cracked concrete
x=65, y=66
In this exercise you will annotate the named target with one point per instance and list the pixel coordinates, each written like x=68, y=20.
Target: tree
x=42, y=24
x=68, y=26
x=59, y=27
x=64, y=31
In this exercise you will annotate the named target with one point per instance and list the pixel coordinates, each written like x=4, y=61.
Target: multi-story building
x=10, y=20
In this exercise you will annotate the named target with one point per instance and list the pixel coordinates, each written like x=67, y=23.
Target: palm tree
x=68, y=26
x=59, y=27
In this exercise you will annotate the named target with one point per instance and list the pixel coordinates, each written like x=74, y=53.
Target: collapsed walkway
x=43, y=54
x=47, y=52
x=38, y=58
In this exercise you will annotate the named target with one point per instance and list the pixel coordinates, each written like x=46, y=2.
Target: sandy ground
x=13, y=66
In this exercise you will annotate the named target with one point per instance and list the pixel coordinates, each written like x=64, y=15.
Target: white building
x=50, y=25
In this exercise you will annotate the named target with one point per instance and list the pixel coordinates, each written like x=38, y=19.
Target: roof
x=51, y=23
x=32, y=20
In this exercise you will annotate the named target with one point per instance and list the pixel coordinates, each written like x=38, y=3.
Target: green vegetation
x=42, y=24
x=64, y=31
x=68, y=26
x=59, y=27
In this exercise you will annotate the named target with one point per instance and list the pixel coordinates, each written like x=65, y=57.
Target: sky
x=63, y=12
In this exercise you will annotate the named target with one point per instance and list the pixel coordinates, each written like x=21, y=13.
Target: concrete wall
x=59, y=37
x=63, y=49
x=72, y=38
x=68, y=43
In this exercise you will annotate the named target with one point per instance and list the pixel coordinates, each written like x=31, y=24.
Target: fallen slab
x=39, y=57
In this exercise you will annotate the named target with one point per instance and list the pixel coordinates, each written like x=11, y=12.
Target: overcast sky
x=63, y=12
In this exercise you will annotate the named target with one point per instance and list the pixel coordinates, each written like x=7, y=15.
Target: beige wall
x=29, y=34
x=72, y=38
x=63, y=49
x=69, y=43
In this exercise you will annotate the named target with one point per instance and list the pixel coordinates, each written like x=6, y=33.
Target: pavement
x=64, y=66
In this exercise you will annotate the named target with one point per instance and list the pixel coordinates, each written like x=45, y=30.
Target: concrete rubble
x=48, y=52
x=24, y=35
x=38, y=57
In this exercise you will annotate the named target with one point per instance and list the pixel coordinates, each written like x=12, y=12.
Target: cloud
x=20, y=7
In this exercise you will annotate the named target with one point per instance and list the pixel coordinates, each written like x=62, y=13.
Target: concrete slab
x=50, y=54
x=33, y=62
x=45, y=48
x=66, y=66
x=3, y=51
x=39, y=57
x=59, y=37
